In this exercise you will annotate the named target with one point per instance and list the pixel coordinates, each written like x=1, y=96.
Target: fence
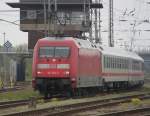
x=8, y=68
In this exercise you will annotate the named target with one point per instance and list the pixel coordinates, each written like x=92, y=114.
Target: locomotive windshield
x=54, y=52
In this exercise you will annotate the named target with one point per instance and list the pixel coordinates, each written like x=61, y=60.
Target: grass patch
x=136, y=101
x=18, y=95
x=146, y=88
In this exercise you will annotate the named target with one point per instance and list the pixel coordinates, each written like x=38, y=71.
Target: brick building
x=49, y=17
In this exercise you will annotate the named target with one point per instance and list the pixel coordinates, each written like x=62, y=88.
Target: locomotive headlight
x=73, y=79
x=39, y=72
x=67, y=72
x=63, y=66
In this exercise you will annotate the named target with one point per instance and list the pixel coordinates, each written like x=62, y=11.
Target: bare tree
x=22, y=48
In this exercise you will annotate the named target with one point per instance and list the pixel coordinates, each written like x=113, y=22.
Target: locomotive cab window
x=54, y=52
x=46, y=52
x=62, y=52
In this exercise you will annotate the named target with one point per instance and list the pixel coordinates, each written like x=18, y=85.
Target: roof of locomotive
x=110, y=51
x=55, y=38
x=48, y=40
x=120, y=53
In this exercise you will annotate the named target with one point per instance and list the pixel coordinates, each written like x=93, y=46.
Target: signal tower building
x=42, y=18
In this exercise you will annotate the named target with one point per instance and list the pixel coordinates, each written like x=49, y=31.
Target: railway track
x=13, y=103
x=10, y=104
x=7, y=90
x=68, y=110
x=144, y=111
x=16, y=103
x=17, y=86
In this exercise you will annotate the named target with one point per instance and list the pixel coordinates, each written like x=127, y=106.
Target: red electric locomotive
x=66, y=65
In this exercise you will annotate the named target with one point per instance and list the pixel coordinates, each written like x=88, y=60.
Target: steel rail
x=128, y=112
x=13, y=103
x=16, y=103
x=18, y=86
x=90, y=107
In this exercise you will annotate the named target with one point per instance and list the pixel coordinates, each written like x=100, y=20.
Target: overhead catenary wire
x=139, y=11
x=9, y=22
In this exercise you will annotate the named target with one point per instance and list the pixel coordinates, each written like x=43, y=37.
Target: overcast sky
x=133, y=11
x=13, y=33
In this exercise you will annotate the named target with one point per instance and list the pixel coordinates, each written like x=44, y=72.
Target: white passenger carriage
x=120, y=67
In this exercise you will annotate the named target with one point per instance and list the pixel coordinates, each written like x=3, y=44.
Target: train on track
x=72, y=66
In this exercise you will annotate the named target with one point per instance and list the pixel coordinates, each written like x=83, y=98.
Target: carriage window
x=115, y=63
x=136, y=65
x=46, y=52
x=126, y=64
x=104, y=61
x=62, y=52
x=108, y=62
x=142, y=66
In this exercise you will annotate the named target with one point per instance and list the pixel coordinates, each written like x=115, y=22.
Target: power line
x=9, y=22
x=9, y=11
